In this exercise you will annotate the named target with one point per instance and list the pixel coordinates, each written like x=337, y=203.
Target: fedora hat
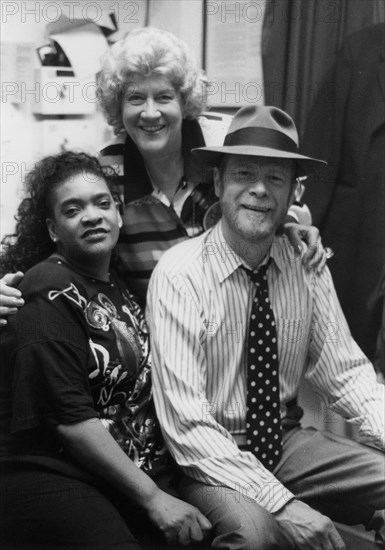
x=261, y=132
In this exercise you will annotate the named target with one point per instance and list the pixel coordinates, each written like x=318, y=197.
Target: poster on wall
x=233, y=56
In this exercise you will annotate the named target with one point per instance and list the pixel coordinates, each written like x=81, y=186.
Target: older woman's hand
x=10, y=297
x=307, y=243
x=179, y=521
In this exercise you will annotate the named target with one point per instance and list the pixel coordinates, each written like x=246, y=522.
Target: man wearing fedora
x=235, y=322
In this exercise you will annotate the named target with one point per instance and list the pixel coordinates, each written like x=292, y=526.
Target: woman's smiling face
x=152, y=115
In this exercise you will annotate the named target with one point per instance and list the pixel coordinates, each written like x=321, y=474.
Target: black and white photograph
x=192, y=275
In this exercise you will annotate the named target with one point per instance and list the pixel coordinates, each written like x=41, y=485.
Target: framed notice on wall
x=233, y=57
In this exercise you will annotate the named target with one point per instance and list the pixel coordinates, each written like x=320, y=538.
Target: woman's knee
x=47, y=510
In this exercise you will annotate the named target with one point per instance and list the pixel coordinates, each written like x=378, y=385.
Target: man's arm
x=203, y=448
x=10, y=297
x=343, y=376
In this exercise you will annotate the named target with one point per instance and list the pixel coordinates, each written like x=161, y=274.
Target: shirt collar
x=225, y=261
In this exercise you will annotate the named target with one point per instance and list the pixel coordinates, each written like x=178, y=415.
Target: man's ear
x=52, y=230
x=217, y=182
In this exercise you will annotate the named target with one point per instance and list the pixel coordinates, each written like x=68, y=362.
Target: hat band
x=261, y=137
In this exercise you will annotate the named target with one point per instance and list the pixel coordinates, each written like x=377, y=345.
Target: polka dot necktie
x=263, y=422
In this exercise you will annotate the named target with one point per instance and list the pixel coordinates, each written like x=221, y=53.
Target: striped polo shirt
x=151, y=224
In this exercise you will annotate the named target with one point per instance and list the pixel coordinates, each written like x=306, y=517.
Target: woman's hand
x=306, y=240
x=94, y=447
x=10, y=297
x=179, y=522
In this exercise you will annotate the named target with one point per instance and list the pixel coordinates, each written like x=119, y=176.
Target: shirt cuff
x=272, y=495
x=370, y=433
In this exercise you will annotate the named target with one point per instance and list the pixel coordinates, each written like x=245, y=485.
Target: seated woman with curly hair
x=80, y=447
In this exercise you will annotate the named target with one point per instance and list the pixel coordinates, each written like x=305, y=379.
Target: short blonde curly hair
x=143, y=52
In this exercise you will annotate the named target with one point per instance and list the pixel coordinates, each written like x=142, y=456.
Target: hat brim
x=210, y=156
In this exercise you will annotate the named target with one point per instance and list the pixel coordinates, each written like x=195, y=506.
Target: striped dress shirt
x=199, y=303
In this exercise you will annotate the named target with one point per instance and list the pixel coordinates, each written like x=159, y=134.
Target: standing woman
x=80, y=442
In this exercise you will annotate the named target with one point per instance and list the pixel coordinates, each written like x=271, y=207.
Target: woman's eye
x=71, y=211
x=105, y=204
x=165, y=98
x=135, y=99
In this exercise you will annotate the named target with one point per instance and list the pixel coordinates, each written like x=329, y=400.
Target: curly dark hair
x=31, y=242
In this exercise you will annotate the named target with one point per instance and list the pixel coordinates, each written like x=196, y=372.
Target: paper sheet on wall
x=233, y=53
x=183, y=18
x=78, y=14
x=83, y=45
x=17, y=65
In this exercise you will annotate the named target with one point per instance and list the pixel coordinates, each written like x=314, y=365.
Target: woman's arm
x=306, y=241
x=97, y=451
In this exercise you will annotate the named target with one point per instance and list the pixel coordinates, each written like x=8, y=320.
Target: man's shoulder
x=182, y=257
x=288, y=261
x=295, y=274
x=282, y=245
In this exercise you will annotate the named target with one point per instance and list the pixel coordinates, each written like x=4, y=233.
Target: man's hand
x=10, y=297
x=179, y=522
x=307, y=529
x=307, y=241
